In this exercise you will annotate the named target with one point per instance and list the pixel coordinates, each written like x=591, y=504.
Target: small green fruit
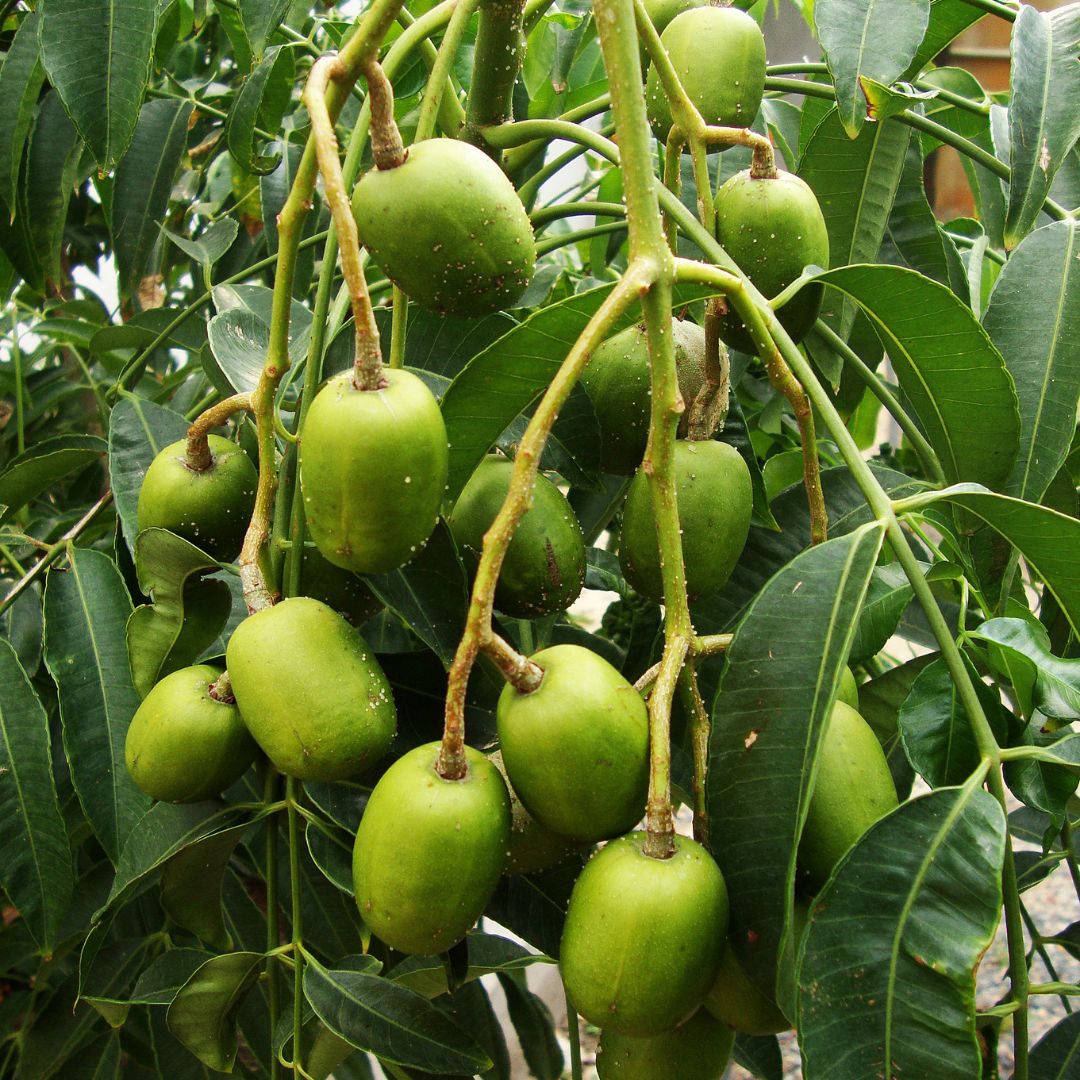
x=210, y=508
x=719, y=55
x=848, y=693
x=183, y=744
x=661, y=12
x=311, y=691
x=735, y=999
x=854, y=788
x=772, y=229
x=712, y=485
x=340, y=589
x=448, y=228
x=643, y=937
x=544, y=567
x=699, y=1049
x=577, y=748
x=429, y=852
x=373, y=467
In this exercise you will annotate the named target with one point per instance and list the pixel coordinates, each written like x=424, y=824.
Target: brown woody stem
x=519, y=671
x=221, y=689
x=708, y=410
x=386, y=146
x=198, y=457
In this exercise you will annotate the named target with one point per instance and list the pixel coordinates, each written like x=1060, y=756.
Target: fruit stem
x=673, y=149
x=519, y=671
x=386, y=146
x=708, y=411
x=441, y=70
x=711, y=644
x=198, y=457
x=500, y=46
x=659, y=820
x=221, y=689
x=700, y=727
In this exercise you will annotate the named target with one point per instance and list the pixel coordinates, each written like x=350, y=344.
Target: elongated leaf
x=209, y=246
x=97, y=55
x=20, y=83
x=948, y=19
x=100, y=1061
x=35, y=863
x=535, y=1029
x=44, y=464
x=240, y=134
x=1056, y=1056
x=889, y=595
x=240, y=336
x=887, y=978
x=159, y=982
x=874, y=39
x=1044, y=122
x=781, y=676
x=1034, y=320
x=443, y=344
x=260, y=19
x=85, y=613
x=759, y=1055
x=919, y=240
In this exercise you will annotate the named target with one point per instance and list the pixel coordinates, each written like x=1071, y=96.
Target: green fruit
x=699, y=1049
x=311, y=691
x=712, y=485
x=340, y=589
x=616, y=379
x=210, y=508
x=577, y=748
x=373, y=467
x=183, y=744
x=661, y=12
x=848, y=693
x=772, y=229
x=853, y=789
x=448, y=228
x=643, y=937
x=719, y=55
x=544, y=568
x=429, y=852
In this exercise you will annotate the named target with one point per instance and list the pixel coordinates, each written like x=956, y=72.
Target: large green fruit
x=340, y=589
x=183, y=744
x=772, y=229
x=311, y=691
x=712, y=485
x=211, y=507
x=853, y=789
x=577, y=748
x=429, y=852
x=373, y=467
x=643, y=937
x=448, y=228
x=719, y=55
x=544, y=568
x=698, y=1049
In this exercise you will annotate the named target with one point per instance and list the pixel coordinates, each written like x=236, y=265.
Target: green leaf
x=1044, y=122
x=35, y=863
x=535, y=1029
x=260, y=18
x=888, y=597
x=22, y=625
x=781, y=675
x=160, y=981
x=887, y=976
x=240, y=134
x=97, y=54
x=948, y=19
x=210, y=245
x=240, y=335
x=1056, y=1056
x=919, y=240
x=876, y=39
x=86, y=609
x=1034, y=319
x=100, y=1060
x=20, y=83
x=759, y=1055
x=43, y=465
x=947, y=366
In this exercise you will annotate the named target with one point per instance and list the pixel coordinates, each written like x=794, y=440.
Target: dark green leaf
x=438, y=343
x=1056, y=1056
x=22, y=625
x=533, y=906
x=948, y=18
x=44, y=464
x=20, y=83
x=913, y=229
x=100, y=1060
x=260, y=19
x=535, y=1029
x=160, y=981
x=210, y=245
x=240, y=133
x=759, y=1055
x=888, y=597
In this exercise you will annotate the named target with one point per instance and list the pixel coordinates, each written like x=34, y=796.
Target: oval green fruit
x=719, y=55
x=448, y=228
x=853, y=789
x=373, y=467
x=848, y=692
x=712, y=485
x=698, y=1049
x=184, y=744
x=310, y=690
x=340, y=589
x=544, y=568
x=643, y=937
x=772, y=229
x=211, y=507
x=576, y=749
x=429, y=852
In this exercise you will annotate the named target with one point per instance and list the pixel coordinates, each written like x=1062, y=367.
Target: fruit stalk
x=199, y=458
x=520, y=672
x=709, y=409
x=439, y=76
x=500, y=45
x=386, y=146
x=700, y=728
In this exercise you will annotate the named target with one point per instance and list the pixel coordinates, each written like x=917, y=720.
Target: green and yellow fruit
x=429, y=852
x=772, y=229
x=210, y=507
x=576, y=749
x=714, y=495
x=544, y=567
x=184, y=743
x=310, y=690
x=448, y=228
x=698, y=1049
x=643, y=937
x=373, y=467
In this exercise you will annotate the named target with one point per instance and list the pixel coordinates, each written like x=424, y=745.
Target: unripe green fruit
x=854, y=788
x=848, y=693
x=340, y=589
x=616, y=379
x=719, y=55
x=544, y=567
x=448, y=228
x=643, y=937
x=576, y=749
x=661, y=12
x=429, y=852
x=712, y=485
x=373, y=466
x=210, y=508
x=184, y=745
x=772, y=229
x=696, y=1050
x=311, y=691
